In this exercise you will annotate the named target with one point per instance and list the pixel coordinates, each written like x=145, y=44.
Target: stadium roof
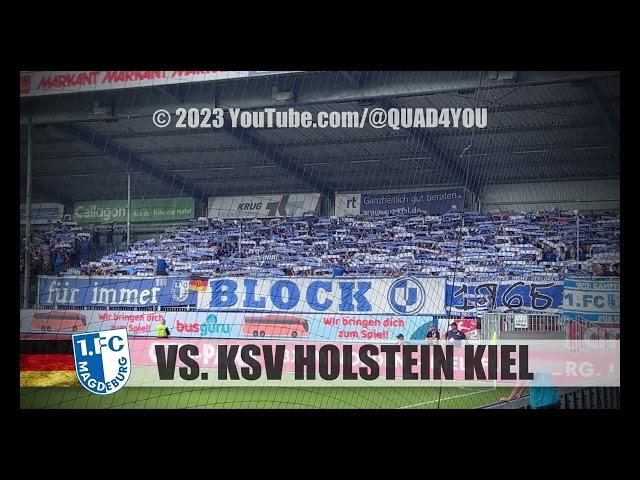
x=542, y=126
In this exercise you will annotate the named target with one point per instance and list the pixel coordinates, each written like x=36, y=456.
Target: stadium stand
x=117, y=199
x=498, y=244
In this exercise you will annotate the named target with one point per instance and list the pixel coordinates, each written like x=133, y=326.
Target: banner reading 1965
x=529, y=294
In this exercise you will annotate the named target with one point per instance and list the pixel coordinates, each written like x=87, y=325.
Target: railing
x=134, y=309
x=585, y=336
x=580, y=329
x=532, y=322
x=572, y=398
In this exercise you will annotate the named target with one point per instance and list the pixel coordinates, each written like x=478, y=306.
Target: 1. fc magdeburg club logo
x=102, y=359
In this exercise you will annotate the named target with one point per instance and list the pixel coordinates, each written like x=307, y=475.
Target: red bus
x=59, y=320
x=275, y=325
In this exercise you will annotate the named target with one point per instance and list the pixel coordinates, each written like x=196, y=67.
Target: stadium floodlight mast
x=128, y=206
x=577, y=237
x=27, y=249
x=455, y=271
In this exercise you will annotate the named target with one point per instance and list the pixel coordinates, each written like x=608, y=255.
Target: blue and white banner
x=536, y=295
x=593, y=299
x=368, y=295
x=116, y=292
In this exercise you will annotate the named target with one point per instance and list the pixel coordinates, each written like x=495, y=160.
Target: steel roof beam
x=170, y=90
x=74, y=108
x=131, y=159
x=446, y=161
x=42, y=190
x=522, y=128
x=490, y=109
x=601, y=103
x=287, y=163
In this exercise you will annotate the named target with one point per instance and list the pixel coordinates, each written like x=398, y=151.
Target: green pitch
x=264, y=398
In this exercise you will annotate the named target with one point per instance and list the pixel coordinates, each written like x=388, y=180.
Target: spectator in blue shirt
x=58, y=262
x=161, y=267
x=582, y=254
x=85, y=246
x=95, y=237
x=337, y=270
x=544, y=397
x=454, y=333
x=542, y=393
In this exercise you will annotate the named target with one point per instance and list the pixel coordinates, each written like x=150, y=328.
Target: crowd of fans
x=495, y=244
x=68, y=248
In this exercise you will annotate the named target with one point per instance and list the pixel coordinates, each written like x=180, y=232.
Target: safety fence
x=510, y=322
x=580, y=329
x=118, y=308
x=521, y=325
x=572, y=398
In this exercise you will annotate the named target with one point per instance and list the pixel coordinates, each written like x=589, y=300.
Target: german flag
x=48, y=370
x=198, y=284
